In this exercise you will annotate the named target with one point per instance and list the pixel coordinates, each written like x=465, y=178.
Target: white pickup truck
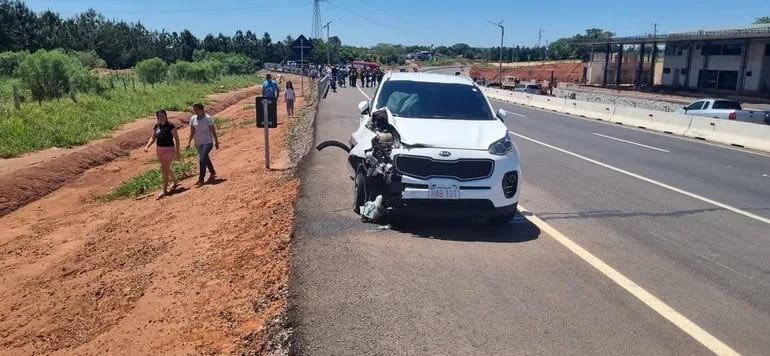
x=724, y=109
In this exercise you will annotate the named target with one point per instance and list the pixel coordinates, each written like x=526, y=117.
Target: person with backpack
x=269, y=88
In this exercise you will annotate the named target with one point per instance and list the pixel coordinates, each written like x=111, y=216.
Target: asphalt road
x=686, y=226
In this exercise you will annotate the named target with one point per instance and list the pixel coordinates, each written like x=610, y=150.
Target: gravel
x=301, y=135
x=617, y=100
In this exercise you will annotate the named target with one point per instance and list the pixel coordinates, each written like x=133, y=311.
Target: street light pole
x=328, y=50
x=502, y=36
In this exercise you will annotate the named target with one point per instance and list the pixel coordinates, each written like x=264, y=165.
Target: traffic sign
x=302, y=46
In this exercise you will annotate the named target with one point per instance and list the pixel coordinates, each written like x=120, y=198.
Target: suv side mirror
x=501, y=114
x=363, y=107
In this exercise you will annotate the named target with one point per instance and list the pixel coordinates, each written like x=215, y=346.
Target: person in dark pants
x=363, y=78
x=353, y=76
x=204, y=132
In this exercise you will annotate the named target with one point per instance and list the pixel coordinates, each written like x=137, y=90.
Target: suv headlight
x=502, y=146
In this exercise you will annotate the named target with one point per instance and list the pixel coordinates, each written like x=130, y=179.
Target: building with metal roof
x=732, y=60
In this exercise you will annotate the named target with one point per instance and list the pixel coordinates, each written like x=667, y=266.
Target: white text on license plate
x=444, y=192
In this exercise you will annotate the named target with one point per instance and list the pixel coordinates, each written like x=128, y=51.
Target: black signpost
x=267, y=118
x=301, y=45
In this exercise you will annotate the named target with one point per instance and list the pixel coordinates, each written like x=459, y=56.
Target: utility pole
x=502, y=36
x=539, y=38
x=328, y=49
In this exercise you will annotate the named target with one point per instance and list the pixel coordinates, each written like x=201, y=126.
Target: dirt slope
x=201, y=271
x=32, y=176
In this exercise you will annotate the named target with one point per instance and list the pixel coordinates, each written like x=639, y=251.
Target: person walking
x=204, y=132
x=289, y=98
x=353, y=76
x=166, y=138
x=269, y=88
x=363, y=78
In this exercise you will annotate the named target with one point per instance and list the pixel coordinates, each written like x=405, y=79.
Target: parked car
x=528, y=88
x=725, y=109
x=431, y=145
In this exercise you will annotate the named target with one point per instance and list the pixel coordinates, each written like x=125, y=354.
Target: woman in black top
x=165, y=136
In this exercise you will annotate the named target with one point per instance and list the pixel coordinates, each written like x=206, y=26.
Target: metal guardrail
x=323, y=86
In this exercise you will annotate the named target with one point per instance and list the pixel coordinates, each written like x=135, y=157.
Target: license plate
x=444, y=192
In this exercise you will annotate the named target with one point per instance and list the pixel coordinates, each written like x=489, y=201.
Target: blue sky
x=368, y=22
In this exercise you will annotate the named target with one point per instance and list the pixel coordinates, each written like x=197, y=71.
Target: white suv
x=431, y=145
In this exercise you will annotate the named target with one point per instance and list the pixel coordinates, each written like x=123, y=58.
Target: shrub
x=47, y=74
x=199, y=72
x=151, y=70
x=9, y=61
x=90, y=59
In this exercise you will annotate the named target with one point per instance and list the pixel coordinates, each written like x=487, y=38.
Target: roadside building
x=730, y=60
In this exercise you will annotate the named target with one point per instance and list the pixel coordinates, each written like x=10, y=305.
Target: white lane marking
x=632, y=142
x=651, y=181
x=660, y=307
x=517, y=114
x=683, y=138
x=362, y=93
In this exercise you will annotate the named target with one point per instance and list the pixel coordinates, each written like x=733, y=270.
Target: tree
x=762, y=20
x=47, y=74
x=151, y=70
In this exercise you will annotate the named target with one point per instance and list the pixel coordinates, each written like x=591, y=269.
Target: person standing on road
x=269, y=88
x=204, y=132
x=353, y=75
x=289, y=98
x=166, y=138
x=362, y=74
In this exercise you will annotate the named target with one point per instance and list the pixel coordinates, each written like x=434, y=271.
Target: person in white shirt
x=290, y=98
x=204, y=132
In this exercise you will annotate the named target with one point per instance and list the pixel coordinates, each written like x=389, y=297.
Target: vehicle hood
x=449, y=133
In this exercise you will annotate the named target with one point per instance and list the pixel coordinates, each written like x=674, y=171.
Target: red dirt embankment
x=202, y=271
x=32, y=176
x=562, y=72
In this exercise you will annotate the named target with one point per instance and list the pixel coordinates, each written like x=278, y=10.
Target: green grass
x=62, y=123
x=147, y=182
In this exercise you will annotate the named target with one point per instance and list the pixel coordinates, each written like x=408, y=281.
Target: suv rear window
x=433, y=100
x=533, y=87
x=726, y=104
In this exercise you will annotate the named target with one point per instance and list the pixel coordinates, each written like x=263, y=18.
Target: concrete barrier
x=743, y=134
x=633, y=116
x=670, y=123
x=520, y=98
x=586, y=109
x=547, y=102
x=736, y=133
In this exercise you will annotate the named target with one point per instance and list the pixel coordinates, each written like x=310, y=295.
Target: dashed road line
x=631, y=142
x=651, y=181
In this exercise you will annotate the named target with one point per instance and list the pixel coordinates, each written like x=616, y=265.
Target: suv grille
x=461, y=169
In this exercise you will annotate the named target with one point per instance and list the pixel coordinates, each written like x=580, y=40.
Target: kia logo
x=444, y=154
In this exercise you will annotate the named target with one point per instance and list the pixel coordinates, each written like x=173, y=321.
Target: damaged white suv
x=431, y=145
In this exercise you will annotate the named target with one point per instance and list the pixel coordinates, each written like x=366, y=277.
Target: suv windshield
x=434, y=100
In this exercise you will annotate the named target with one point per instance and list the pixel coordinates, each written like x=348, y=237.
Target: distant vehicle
x=402, y=70
x=365, y=64
x=528, y=88
x=767, y=117
x=457, y=73
x=725, y=109
x=510, y=82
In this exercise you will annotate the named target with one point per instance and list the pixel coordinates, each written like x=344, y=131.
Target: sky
x=423, y=22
